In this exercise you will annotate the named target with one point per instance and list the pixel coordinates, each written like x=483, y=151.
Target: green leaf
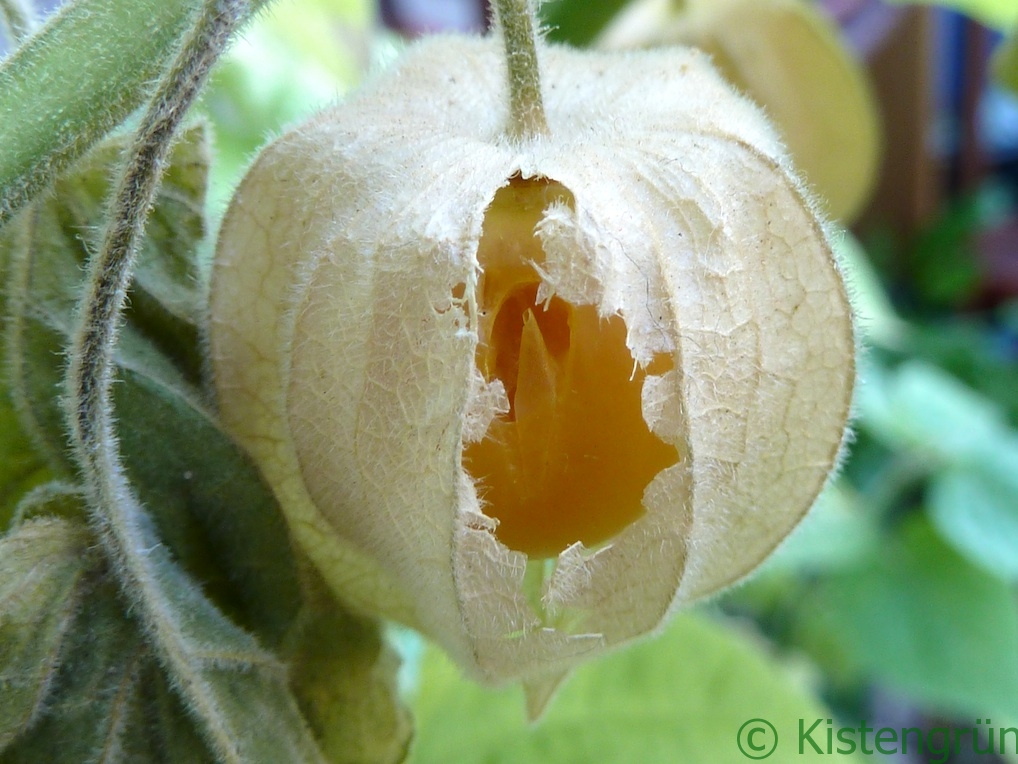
x=344, y=676
x=21, y=468
x=921, y=619
x=578, y=22
x=76, y=682
x=109, y=701
x=970, y=349
x=212, y=513
x=79, y=77
x=977, y=513
x=681, y=697
x=834, y=535
x=33, y=361
x=42, y=574
x=207, y=498
x=88, y=712
x=942, y=259
x=56, y=499
x=210, y=505
x=81, y=684
x=46, y=249
x=170, y=730
x=920, y=407
x=167, y=302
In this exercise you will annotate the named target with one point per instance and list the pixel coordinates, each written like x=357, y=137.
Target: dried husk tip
x=531, y=396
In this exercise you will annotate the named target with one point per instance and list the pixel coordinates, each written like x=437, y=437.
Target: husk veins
x=355, y=382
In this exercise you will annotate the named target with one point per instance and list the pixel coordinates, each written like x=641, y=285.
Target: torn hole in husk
x=569, y=459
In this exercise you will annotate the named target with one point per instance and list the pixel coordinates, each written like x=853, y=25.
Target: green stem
x=130, y=542
x=526, y=107
x=19, y=18
x=76, y=79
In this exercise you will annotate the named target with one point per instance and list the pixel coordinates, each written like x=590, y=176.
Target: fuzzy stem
x=128, y=538
x=19, y=18
x=526, y=107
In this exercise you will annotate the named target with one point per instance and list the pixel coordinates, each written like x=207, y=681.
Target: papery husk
x=343, y=337
x=789, y=58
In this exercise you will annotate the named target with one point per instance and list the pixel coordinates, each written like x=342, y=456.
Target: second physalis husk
x=531, y=396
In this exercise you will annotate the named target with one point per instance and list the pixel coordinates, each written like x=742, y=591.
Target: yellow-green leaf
x=681, y=697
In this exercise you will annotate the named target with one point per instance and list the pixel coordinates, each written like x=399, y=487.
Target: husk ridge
x=419, y=159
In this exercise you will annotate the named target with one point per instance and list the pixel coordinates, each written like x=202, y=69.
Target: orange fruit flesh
x=570, y=460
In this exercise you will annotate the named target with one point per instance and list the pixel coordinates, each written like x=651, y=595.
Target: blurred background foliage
x=895, y=601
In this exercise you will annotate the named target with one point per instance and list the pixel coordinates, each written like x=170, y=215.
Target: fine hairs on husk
x=345, y=331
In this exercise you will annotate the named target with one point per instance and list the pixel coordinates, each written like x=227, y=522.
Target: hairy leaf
x=43, y=567
x=79, y=77
x=108, y=700
x=56, y=499
x=344, y=676
x=203, y=493
x=166, y=301
x=170, y=730
x=88, y=712
x=21, y=468
x=81, y=684
x=209, y=504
